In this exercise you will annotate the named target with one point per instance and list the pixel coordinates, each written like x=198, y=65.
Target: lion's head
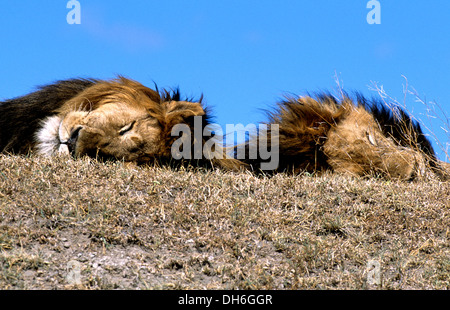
x=119, y=119
x=360, y=137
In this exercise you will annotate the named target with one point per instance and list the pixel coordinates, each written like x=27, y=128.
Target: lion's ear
x=182, y=112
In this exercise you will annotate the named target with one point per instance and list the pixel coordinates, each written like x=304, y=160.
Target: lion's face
x=120, y=119
x=114, y=129
x=358, y=146
x=323, y=133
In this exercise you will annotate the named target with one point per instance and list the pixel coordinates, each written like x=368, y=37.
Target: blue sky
x=243, y=55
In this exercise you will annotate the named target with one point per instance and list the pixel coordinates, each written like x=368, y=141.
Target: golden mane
x=120, y=119
x=359, y=137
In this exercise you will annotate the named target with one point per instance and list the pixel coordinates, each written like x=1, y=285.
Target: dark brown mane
x=303, y=126
x=305, y=144
x=21, y=116
x=397, y=124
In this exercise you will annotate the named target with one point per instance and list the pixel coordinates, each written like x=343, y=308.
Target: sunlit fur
x=356, y=136
x=120, y=119
x=21, y=117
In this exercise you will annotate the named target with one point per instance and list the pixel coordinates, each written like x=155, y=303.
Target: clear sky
x=243, y=55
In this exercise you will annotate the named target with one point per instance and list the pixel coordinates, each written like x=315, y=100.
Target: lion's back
x=21, y=116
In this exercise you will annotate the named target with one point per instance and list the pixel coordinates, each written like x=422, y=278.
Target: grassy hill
x=90, y=225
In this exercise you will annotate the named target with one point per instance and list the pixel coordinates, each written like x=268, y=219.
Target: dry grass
x=134, y=227
x=434, y=120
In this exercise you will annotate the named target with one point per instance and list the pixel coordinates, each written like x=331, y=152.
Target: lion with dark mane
x=354, y=136
x=119, y=119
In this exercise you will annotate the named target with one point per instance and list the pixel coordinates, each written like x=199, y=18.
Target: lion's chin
x=47, y=137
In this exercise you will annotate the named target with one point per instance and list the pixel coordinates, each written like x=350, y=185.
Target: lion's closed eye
x=126, y=128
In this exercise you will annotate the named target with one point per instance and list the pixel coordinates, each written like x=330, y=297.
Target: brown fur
x=21, y=117
x=119, y=119
x=323, y=133
x=123, y=119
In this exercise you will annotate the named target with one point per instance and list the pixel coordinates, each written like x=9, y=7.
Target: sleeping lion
x=353, y=136
x=119, y=119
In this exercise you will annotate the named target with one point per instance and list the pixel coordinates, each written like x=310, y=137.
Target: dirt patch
x=83, y=224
